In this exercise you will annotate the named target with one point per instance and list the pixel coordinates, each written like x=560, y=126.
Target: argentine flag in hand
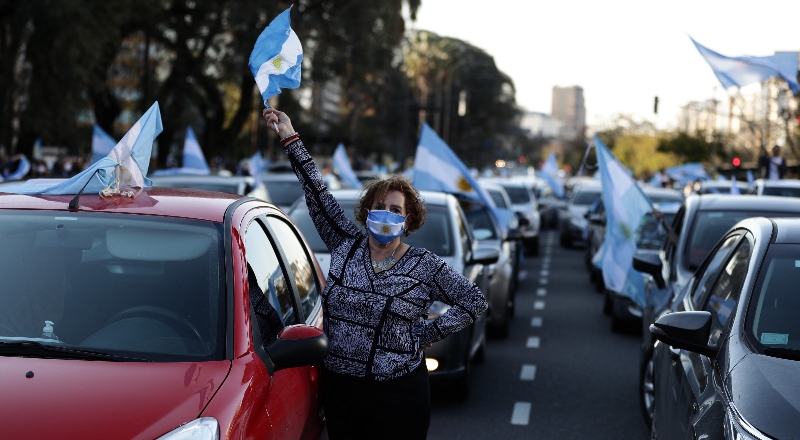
x=102, y=143
x=276, y=58
x=437, y=168
x=549, y=173
x=341, y=164
x=125, y=166
x=193, y=157
x=625, y=206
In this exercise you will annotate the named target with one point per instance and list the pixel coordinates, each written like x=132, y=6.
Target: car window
x=483, y=228
x=651, y=233
x=725, y=294
x=709, y=227
x=585, y=198
x=141, y=286
x=299, y=264
x=497, y=198
x=774, y=308
x=712, y=268
x=517, y=194
x=284, y=193
x=784, y=192
x=670, y=248
x=463, y=233
x=272, y=282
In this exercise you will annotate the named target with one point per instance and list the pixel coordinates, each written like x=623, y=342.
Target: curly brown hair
x=378, y=188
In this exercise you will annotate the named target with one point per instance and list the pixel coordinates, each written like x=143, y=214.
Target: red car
x=173, y=314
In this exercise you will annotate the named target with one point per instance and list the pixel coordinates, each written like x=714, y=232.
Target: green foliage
x=691, y=148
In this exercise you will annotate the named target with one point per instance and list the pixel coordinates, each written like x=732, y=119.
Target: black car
x=726, y=361
x=699, y=225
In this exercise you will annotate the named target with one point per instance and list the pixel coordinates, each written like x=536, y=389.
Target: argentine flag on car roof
x=125, y=166
x=625, y=204
x=277, y=57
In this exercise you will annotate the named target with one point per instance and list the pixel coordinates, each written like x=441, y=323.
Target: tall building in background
x=568, y=108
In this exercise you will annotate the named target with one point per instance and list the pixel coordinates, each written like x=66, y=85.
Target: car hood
x=92, y=399
x=578, y=211
x=766, y=392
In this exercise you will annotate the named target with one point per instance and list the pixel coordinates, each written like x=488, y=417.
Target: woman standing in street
x=376, y=301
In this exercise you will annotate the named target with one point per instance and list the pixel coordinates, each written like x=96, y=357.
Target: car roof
x=722, y=202
x=788, y=230
x=159, y=201
x=655, y=191
x=282, y=177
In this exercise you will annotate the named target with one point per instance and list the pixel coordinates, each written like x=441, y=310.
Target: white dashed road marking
x=538, y=305
x=541, y=291
x=533, y=342
x=543, y=281
x=528, y=372
x=536, y=321
x=544, y=273
x=521, y=414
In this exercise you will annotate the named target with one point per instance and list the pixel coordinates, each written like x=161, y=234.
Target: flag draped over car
x=549, y=173
x=102, y=143
x=277, y=57
x=341, y=164
x=125, y=166
x=741, y=71
x=625, y=205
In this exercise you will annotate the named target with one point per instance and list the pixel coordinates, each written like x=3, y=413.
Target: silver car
x=446, y=233
x=241, y=185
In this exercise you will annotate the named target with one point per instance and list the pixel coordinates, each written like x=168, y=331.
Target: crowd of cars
x=198, y=300
x=719, y=329
x=123, y=299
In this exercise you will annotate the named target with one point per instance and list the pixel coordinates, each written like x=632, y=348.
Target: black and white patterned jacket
x=376, y=322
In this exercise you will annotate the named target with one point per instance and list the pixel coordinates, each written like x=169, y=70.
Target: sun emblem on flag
x=385, y=229
x=625, y=230
x=463, y=185
x=277, y=61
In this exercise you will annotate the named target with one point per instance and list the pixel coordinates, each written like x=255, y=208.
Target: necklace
x=381, y=266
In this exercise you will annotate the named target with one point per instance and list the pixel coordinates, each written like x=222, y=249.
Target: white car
x=783, y=187
x=523, y=201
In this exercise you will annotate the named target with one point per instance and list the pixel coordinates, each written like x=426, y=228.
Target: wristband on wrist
x=286, y=140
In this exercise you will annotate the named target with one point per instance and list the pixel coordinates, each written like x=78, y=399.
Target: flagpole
x=585, y=157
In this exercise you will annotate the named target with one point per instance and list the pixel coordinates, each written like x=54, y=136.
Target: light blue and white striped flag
x=734, y=187
x=102, y=143
x=741, y=71
x=549, y=173
x=341, y=164
x=23, y=167
x=256, y=165
x=625, y=206
x=437, y=168
x=125, y=166
x=37, y=150
x=193, y=157
x=277, y=58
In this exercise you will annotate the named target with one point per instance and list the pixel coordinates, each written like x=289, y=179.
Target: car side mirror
x=298, y=345
x=650, y=264
x=685, y=330
x=596, y=218
x=484, y=255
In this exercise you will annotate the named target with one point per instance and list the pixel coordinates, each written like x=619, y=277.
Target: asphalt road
x=561, y=373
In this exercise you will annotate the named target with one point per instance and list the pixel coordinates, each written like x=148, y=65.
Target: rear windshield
x=284, y=193
x=784, y=192
x=709, y=227
x=585, y=198
x=142, y=287
x=517, y=195
x=435, y=235
x=497, y=198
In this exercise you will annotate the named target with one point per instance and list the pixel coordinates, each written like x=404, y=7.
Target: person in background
x=772, y=167
x=376, y=301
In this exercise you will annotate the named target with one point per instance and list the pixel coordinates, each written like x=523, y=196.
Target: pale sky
x=622, y=53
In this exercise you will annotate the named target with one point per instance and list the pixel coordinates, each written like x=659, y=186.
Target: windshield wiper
x=34, y=348
x=783, y=353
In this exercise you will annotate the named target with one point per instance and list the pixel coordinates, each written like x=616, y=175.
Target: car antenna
x=73, y=204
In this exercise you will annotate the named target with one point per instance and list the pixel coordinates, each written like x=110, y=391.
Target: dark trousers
x=358, y=409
